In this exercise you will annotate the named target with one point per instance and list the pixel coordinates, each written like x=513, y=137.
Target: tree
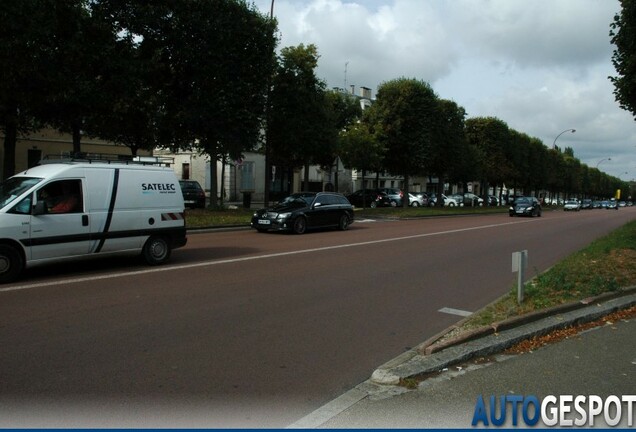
x=405, y=112
x=26, y=46
x=445, y=156
x=302, y=126
x=490, y=137
x=360, y=149
x=623, y=35
x=78, y=55
x=220, y=56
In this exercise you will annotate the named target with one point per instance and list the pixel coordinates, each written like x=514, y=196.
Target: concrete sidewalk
x=600, y=361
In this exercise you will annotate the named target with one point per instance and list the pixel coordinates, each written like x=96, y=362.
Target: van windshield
x=12, y=188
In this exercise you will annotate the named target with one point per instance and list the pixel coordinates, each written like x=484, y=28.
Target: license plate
x=264, y=222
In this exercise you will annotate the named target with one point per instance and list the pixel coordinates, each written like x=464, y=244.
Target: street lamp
x=557, y=137
x=602, y=160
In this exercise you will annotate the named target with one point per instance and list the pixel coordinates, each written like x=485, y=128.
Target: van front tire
x=11, y=263
x=156, y=250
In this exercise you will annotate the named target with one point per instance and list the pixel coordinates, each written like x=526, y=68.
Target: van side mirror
x=39, y=208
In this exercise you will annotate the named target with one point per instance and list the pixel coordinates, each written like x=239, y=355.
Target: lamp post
x=602, y=160
x=557, y=137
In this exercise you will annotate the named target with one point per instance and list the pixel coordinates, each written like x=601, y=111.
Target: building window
x=185, y=171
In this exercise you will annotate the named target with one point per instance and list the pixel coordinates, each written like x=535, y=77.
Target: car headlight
x=283, y=215
x=512, y=208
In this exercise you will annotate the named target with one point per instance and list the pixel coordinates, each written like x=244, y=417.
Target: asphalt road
x=255, y=330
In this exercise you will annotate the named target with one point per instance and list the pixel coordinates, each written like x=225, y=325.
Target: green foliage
x=623, y=35
x=301, y=127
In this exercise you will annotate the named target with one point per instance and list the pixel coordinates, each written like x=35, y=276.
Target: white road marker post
x=519, y=263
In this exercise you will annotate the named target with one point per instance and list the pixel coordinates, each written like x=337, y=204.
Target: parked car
x=193, y=194
x=612, y=204
x=448, y=201
x=470, y=199
x=525, y=206
x=369, y=198
x=418, y=199
x=395, y=196
x=457, y=199
x=306, y=210
x=493, y=201
x=586, y=204
x=572, y=205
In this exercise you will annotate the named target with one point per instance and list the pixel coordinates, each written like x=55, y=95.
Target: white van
x=64, y=211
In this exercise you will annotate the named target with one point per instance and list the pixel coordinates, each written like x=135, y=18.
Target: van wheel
x=11, y=264
x=156, y=250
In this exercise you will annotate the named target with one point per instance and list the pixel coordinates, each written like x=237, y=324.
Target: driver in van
x=61, y=201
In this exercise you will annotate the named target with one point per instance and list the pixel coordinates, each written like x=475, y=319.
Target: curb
x=418, y=362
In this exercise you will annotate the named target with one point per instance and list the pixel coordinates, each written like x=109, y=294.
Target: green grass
x=606, y=265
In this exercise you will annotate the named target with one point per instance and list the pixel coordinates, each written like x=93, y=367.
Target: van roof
x=54, y=169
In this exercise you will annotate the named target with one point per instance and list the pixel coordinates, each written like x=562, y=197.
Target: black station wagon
x=306, y=210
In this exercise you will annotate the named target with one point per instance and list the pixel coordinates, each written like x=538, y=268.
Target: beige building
x=31, y=148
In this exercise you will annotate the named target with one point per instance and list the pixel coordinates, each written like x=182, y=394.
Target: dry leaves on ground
x=558, y=335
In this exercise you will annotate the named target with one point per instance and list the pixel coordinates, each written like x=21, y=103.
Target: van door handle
x=84, y=220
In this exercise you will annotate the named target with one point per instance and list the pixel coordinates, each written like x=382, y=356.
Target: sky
x=541, y=66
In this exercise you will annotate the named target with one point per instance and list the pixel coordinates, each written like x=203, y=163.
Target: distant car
x=193, y=194
x=493, y=201
x=369, y=198
x=306, y=210
x=395, y=196
x=470, y=199
x=418, y=199
x=586, y=204
x=612, y=204
x=448, y=201
x=525, y=206
x=572, y=205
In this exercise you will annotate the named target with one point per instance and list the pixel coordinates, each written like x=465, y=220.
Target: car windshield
x=190, y=186
x=522, y=200
x=14, y=187
x=297, y=200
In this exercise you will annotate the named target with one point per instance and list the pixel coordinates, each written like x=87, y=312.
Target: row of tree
x=410, y=131
x=204, y=75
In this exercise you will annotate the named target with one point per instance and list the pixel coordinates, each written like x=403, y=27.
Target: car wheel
x=451, y=204
x=11, y=263
x=300, y=225
x=344, y=222
x=373, y=204
x=156, y=250
x=393, y=203
x=415, y=204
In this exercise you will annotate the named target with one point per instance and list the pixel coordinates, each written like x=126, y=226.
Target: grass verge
x=606, y=265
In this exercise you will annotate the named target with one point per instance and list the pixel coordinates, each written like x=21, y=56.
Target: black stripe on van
x=176, y=234
x=111, y=208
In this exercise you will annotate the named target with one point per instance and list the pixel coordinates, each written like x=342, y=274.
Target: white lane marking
x=455, y=311
x=250, y=258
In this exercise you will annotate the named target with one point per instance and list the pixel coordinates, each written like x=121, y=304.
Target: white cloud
x=541, y=66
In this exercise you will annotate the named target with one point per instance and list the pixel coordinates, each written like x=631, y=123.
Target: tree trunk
x=214, y=202
x=77, y=136
x=405, y=192
x=10, y=137
x=306, y=178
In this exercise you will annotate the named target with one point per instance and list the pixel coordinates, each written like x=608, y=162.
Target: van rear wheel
x=156, y=250
x=11, y=263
